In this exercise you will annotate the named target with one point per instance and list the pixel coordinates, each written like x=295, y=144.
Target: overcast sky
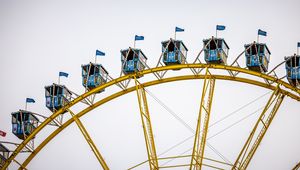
x=39, y=38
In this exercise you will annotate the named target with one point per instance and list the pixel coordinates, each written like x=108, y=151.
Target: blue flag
x=30, y=100
x=298, y=44
x=220, y=27
x=177, y=29
x=63, y=74
x=137, y=37
x=99, y=53
x=261, y=32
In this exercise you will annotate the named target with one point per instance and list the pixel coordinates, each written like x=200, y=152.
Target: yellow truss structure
x=279, y=87
x=204, y=113
x=147, y=127
x=259, y=130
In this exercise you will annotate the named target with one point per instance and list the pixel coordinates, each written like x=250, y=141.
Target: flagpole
x=216, y=33
x=95, y=59
x=26, y=106
x=175, y=35
x=134, y=44
x=257, y=38
x=58, y=80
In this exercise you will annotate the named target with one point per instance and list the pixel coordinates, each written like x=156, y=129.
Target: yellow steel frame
x=259, y=130
x=147, y=127
x=287, y=89
x=204, y=113
x=166, y=80
x=89, y=141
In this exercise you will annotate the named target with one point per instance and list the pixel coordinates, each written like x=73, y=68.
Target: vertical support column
x=259, y=130
x=147, y=127
x=89, y=141
x=203, y=121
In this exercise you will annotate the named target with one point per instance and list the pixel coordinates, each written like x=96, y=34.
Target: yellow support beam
x=89, y=141
x=178, y=157
x=184, y=165
x=203, y=121
x=259, y=130
x=147, y=127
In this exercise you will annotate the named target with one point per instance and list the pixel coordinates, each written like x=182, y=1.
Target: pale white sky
x=39, y=38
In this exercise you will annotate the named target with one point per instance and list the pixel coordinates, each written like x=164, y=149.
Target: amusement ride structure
x=213, y=66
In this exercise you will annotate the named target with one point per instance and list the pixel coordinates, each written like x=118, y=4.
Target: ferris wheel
x=210, y=66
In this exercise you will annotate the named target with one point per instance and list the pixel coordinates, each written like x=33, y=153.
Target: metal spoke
x=204, y=113
x=89, y=141
x=259, y=130
x=147, y=127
